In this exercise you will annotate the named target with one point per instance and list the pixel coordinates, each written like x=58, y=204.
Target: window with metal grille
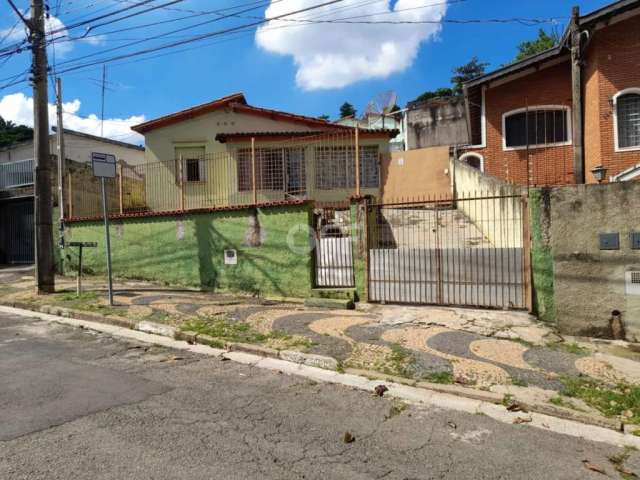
x=628, y=118
x=635, y=277
x=536, y=127
x=280, y=169
x=192, y=170
x=335, y=167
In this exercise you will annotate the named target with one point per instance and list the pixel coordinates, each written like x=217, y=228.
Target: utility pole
x=576, y=94
x=61, y=157
x=45, y=277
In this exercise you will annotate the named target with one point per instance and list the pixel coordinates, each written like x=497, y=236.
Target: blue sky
x=216, y=68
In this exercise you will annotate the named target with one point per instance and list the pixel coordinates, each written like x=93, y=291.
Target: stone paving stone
x=297, y=324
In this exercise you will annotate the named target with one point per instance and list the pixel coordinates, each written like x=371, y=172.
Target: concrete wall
x=499, y=219
x=416, y=173
x=589, y=283
x=189, y=250
x=437, y=122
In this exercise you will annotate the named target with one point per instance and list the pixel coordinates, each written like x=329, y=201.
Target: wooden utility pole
x=45, y=278
x=576, y=93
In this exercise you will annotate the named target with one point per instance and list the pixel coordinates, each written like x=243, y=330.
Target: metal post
x=120, y=194
x=45, y=279
x=357, y=156
x=61, y=151
x=70, y=194
x=79, y=279
x=253, y=170
x=181, y=172
x=106, y=238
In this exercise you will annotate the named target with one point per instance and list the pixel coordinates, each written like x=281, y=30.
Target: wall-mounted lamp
x=599, y=173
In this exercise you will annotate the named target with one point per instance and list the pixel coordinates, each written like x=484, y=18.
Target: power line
x=193, y=39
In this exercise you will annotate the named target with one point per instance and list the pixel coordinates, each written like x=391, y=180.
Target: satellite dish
x=382, y=103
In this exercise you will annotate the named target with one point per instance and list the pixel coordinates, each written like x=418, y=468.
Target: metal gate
x=16, y=231
x=333, y=248
x=467, y=252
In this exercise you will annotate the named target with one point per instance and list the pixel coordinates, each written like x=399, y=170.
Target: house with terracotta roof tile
x=227, y=153
x=567, y=115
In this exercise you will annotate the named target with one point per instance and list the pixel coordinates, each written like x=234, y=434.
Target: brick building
x=520, y=117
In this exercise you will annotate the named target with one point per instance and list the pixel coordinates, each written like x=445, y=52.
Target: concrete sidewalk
x=504, y=356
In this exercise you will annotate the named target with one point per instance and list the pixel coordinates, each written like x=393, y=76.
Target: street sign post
x=104, y=166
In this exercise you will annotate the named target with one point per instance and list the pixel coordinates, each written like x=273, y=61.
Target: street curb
x=255, y=355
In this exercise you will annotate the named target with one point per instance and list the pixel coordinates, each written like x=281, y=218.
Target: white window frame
x=616, y=143
x=567, y=111
x=473, y=154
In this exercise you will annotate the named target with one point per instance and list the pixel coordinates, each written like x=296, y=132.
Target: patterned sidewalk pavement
x=504, y=352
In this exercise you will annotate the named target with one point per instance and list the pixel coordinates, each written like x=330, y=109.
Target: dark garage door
x=16, y=231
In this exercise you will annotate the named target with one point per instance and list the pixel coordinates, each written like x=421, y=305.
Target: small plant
x=507, y=399
x=340, y=366
x=397, y=407
x=439, y=377
x=402, y=361
x=519, y=382
x=572, y=347
x=227, y=331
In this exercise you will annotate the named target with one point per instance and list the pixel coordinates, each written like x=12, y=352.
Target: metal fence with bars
x=16, y=174
x=325, y=167
x=468, y=251
x=333, y=247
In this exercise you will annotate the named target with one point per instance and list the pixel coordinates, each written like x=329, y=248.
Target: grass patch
x=620, y=400
x=519, y=382
x=226, y=331
x=445, y=378
x=573, y=348
x=86, y=301
x=401, y=361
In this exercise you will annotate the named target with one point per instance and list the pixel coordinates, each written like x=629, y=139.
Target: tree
x=473, y=69
x=11, y=133
x=347, y=110
x=544, y=42
x=439, y=93
x=324, y=117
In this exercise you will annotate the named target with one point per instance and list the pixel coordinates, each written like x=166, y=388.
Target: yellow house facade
x=228, y=153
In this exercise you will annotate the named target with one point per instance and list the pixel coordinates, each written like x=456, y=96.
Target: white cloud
x=333, y=55
x=52, y=24
x=18, y=108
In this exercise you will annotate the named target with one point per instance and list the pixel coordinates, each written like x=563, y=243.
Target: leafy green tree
x=11, y=133
x=347, y=110
x=324, y=117
x=545, y=41
x=439, y=93
x=473, y=69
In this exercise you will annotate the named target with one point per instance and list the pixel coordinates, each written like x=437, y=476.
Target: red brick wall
x=615, y=54
x=544, y=166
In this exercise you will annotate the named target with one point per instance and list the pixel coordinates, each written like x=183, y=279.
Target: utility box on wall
x=230, y=257
x=632, y=283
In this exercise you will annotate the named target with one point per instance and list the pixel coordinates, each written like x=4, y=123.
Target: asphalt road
x=77, y=404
